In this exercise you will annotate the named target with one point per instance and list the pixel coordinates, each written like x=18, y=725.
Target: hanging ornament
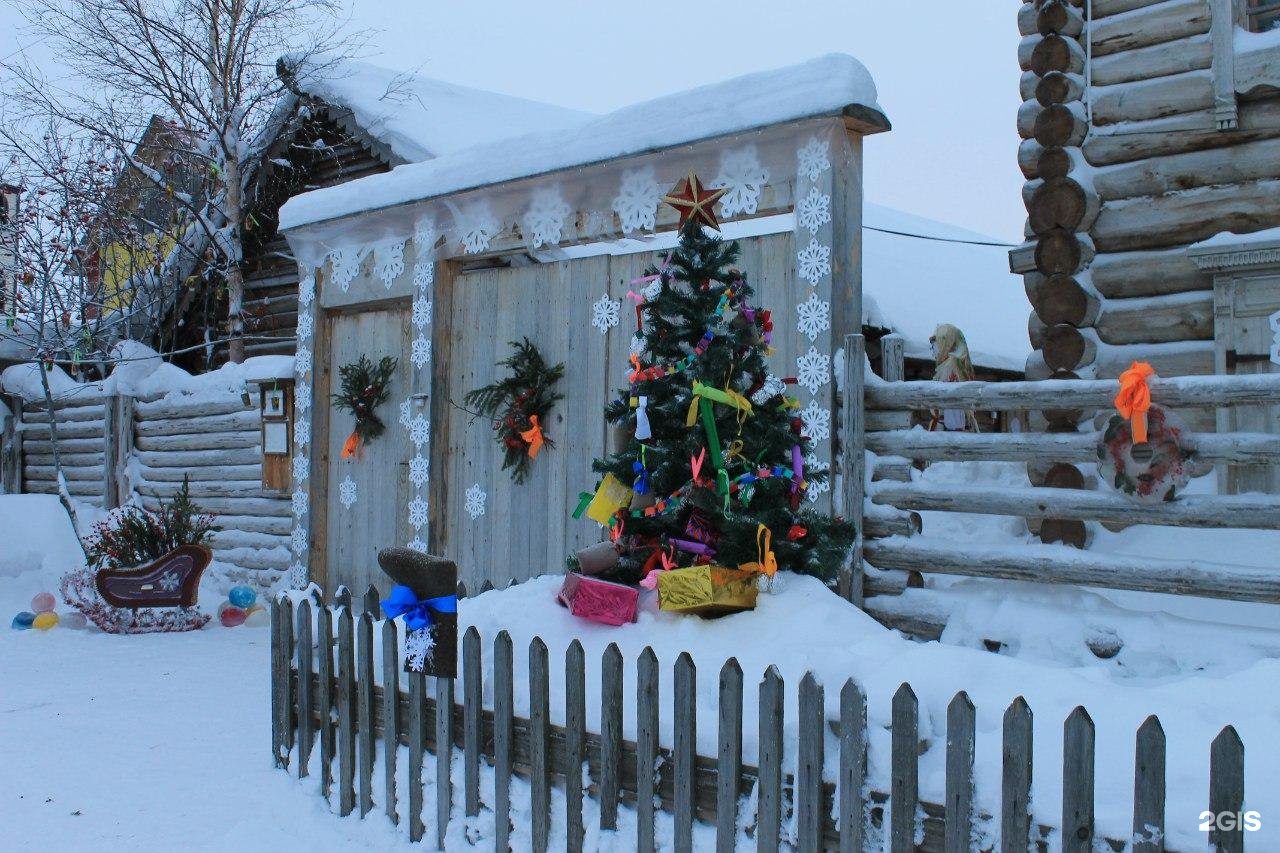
x=364, y=389
x=694, y=202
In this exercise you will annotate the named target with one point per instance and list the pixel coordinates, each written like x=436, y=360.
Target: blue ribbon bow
x=417, y=613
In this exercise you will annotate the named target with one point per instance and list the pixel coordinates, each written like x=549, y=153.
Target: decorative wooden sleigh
x=170, y=581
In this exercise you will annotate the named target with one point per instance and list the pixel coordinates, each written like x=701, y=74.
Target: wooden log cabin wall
x=1147, y=125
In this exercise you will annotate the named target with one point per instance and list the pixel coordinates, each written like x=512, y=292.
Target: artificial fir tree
x=698, y=401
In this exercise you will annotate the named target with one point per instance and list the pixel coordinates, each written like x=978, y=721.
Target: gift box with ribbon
x=707, y=590
x=599, y=600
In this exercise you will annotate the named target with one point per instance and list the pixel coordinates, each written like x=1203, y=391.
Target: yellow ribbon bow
x=726, y=397
x=767, y=563
x=533, y=436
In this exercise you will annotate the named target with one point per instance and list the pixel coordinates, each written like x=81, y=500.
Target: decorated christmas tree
x=714, y=447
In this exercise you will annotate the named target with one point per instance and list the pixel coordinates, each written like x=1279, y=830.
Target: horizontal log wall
x=80, y=423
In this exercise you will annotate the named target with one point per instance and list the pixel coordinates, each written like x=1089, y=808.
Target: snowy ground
x=161, y=742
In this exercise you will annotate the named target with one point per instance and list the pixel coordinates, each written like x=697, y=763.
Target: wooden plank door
x=356, y=531
x=1249, y=338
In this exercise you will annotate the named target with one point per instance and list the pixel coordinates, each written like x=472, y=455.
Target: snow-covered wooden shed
x=441, y=263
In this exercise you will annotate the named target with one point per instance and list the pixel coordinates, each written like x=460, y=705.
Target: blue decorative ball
x=242, y=597
x=23, y=621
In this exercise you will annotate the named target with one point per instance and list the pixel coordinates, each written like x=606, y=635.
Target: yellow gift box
x=707, y=590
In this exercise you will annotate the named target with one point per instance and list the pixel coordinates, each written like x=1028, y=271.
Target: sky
x=948, y=81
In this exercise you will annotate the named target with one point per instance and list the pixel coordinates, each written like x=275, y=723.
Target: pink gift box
x=599, y=600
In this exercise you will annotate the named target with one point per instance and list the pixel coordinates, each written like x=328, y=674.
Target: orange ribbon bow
x=350, y=446
x=533, y=436
x=1134, y=398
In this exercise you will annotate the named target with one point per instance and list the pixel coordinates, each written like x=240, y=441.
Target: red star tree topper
x=695, y=202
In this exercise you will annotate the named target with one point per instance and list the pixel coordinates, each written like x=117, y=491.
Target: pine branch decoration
x=519, y=405
x=364, y=389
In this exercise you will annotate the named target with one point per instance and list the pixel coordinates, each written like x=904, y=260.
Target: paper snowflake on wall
x=417, y=545
x=302, y=432
x=424, y=273
x=813, y=370
x=815, y=490
x=301, y=502
x=425, y=235
x=347, y=492
x=302, y=360
x=543, y=222
x=637, y=201
x=419, y=469
x=298, y=539
x=298, y=576
x=388, y=261
x=475, y=501
x=419, y=430
x=417, y=648
x=772, y=387
x=417, y=513
x=302, y=397
x=814, y=262
x=813, y=316
x=301, y=468
x=812, y=159
x=814, y=210
x=345, y=265
x=604, y=313
x=422, y=313
x=406, y=412
x=420, y=352
x=306, y=289
x=306, y=323
x=743, y=178
x=477, y=226
x=817, y=421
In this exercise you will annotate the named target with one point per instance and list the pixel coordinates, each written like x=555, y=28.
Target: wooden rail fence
x=328, y=695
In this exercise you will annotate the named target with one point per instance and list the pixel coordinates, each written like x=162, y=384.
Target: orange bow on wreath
x=351, y=446
x=533, y=437
x=1134, y=399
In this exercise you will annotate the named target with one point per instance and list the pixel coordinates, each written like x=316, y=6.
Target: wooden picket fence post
x=330, y=705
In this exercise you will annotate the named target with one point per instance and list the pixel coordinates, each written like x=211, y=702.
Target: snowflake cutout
x=419, y=430
x=419, y=469
x=813, y=370
x=425, y=235
x=302, y=397
x=347, y=492
x=814, y=262
x=417, y=648
x=1274, y=320
x=306, y=324
x=298, y=540
x=477, y=226
x=388, y=261
x=421, y=313
x=812, y=159
x=169, y=581
x=743, y=177
x=302, y=431
x=424, y=273
x=814, y=210
x=301, y=468
x=604, y=313
x=475, y=501
x=817, y=421
x=772, y=387
x=298, y=576
x=302, y=361
x=406, y=412
x=816, y=489
x=418, y=513
x=420, y=353
x=653, y=289
x=417, y=545
x=544, y=220
x=813, y=316
x=637, y=345
x=301, y=502
x=306, y=289
x=637, y=201
x=345, y=265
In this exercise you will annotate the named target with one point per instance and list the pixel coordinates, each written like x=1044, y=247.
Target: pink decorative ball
x=43, y=602
x=231, y=616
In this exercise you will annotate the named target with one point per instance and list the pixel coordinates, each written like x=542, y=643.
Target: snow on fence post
x=117, y=442
x=853, y=483
x=904, y=795
x=1015, y=800
x=1149, y=788
x=1077, y=782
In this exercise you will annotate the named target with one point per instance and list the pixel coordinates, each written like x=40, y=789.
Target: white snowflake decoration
x=425, y=235
x=417, y=545
x=815, y=490
x=298, y=576
x=424, y=273
x=302, y=360
x=637, y=201
x=814, y=210
x=345, y=264
x=301, y=502
x=421, y=351
x=418, y=513
x=813, y=316
x=604, y=313
x=169, y=581
x=1274, y=320
x=421, y=313
x=306, y=324
x=772, y=387
x=477, y=226
x=543, y=222
x=301, y=468
x=302, y=397
x=419, y=469
x=475, y=501
x=406, y=412
x=743, y=178
x=637, y=345
x=817, y=421
x=812, y=159
x=419, y=430
x=306, y=289
x=388, y=261
x=652, y=289
x=814, y=261
x=302, y=431
x=417, y=648
x=298, y=540
x=347, y=492
x=813, y=370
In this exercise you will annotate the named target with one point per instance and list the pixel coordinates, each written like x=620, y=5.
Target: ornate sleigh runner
x=129, y=600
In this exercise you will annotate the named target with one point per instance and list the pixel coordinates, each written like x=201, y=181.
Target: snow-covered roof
x=831, y=85
x=419, y=118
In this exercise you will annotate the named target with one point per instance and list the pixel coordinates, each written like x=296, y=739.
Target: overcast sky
x=947, y=73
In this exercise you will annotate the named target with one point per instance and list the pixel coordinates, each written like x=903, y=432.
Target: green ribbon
x=584, y=501
x=713, y=435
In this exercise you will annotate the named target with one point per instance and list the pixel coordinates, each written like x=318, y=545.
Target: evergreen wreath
x=364, y=389
x=519, y=405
